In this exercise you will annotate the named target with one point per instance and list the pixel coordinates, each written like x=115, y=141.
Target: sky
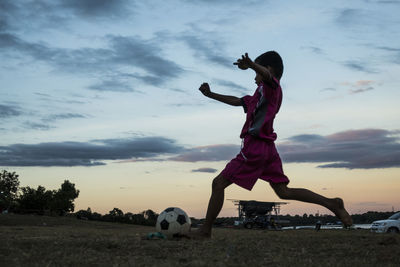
x=105, y=94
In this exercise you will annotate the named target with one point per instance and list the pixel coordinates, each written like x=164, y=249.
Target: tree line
x=311, y=219
x=147, y=217
x=41, y=201
x=16, y=199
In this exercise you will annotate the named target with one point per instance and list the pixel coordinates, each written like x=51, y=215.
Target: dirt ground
x=49, y=241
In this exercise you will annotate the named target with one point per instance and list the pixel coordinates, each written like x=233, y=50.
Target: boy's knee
x=284, y=195
x=216, y=184
x=282, y=191
x=219, y=183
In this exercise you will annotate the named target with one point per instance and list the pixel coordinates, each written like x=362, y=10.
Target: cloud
x=64, y=116
x=357, y=91
x=367, y=20
x=328, y=89
x=7, y=111
x=360, y=86
x=363, y=83
x=186, y=104
x=148, y=79
x=207, y=46
x=7, y=9
x=359, y=65
x=125, y=187
x=7, y=6
x=233, y=86
x=44, y=14
x=356, y=19
x=352, y=149
x=122, y=52
x=349, y=17
x=208, y=170
x=208, y=153
x=396, y=2
x=314, y=49
x=223, y=2
x=3, y=24
x=178, y=90
x=390, y=49
x=69, y=60
x=133, y=51
x=90, y=153
x=36, y=126
x=53, y=99
x=31, y=15
x=98, y=8
x=111, y=85
x=394, y=53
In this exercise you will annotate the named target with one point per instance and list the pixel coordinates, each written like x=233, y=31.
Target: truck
x=390, y=225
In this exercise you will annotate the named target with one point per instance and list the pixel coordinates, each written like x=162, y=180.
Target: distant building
x=258, y=213
x=252, y=208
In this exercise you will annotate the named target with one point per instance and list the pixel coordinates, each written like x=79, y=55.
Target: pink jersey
x=261, y=109
x=258, y=157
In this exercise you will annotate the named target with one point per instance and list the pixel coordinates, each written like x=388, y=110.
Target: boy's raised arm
x=230, y=100
x=245, y=62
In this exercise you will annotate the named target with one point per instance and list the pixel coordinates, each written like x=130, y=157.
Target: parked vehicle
x=390, y=225
x=265, y=222
x=261, y=221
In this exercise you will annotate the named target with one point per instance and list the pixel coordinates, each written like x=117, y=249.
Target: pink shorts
x=258, y=159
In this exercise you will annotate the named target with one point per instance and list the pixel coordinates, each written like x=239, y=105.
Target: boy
x=258, y=158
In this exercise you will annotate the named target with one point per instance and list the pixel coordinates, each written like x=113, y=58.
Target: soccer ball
x=173, y=221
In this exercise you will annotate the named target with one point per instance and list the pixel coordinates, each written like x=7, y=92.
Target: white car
x=390, y=225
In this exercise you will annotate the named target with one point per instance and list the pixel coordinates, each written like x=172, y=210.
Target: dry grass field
x=49, y=241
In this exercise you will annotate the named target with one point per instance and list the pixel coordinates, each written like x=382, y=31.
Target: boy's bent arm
x=263, y=71
x=245, y=62
x=227, y=99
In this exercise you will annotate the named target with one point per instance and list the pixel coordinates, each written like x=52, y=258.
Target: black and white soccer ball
x=173, y=221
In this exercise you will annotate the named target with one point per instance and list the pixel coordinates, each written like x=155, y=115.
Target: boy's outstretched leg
x=214, y=206
x=335, y=205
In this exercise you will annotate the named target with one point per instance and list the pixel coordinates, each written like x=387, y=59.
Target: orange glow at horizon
x=134, y=187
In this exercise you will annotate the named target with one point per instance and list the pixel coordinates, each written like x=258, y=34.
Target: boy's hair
x=272, y=59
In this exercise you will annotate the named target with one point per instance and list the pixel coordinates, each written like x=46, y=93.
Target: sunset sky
x=105, y=94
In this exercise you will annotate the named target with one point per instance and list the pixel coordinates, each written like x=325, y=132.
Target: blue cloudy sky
x=105, y=93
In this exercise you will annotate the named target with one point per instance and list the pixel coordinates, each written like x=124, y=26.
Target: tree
x=63, y=198
x=35, y=200
x=96, y=216
x=116, y=215
x=128, y=217
x=150, y=217
x=116, y=212
x=9, y=184
x=138, y=219
x=84, y=214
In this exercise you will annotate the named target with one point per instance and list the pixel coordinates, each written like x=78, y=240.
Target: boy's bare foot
x=341, y=213
x=198, y=235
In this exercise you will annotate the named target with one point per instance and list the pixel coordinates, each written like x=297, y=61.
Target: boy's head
x=271, y=59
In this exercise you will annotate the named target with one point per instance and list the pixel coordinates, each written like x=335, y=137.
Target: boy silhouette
x=258, y=157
